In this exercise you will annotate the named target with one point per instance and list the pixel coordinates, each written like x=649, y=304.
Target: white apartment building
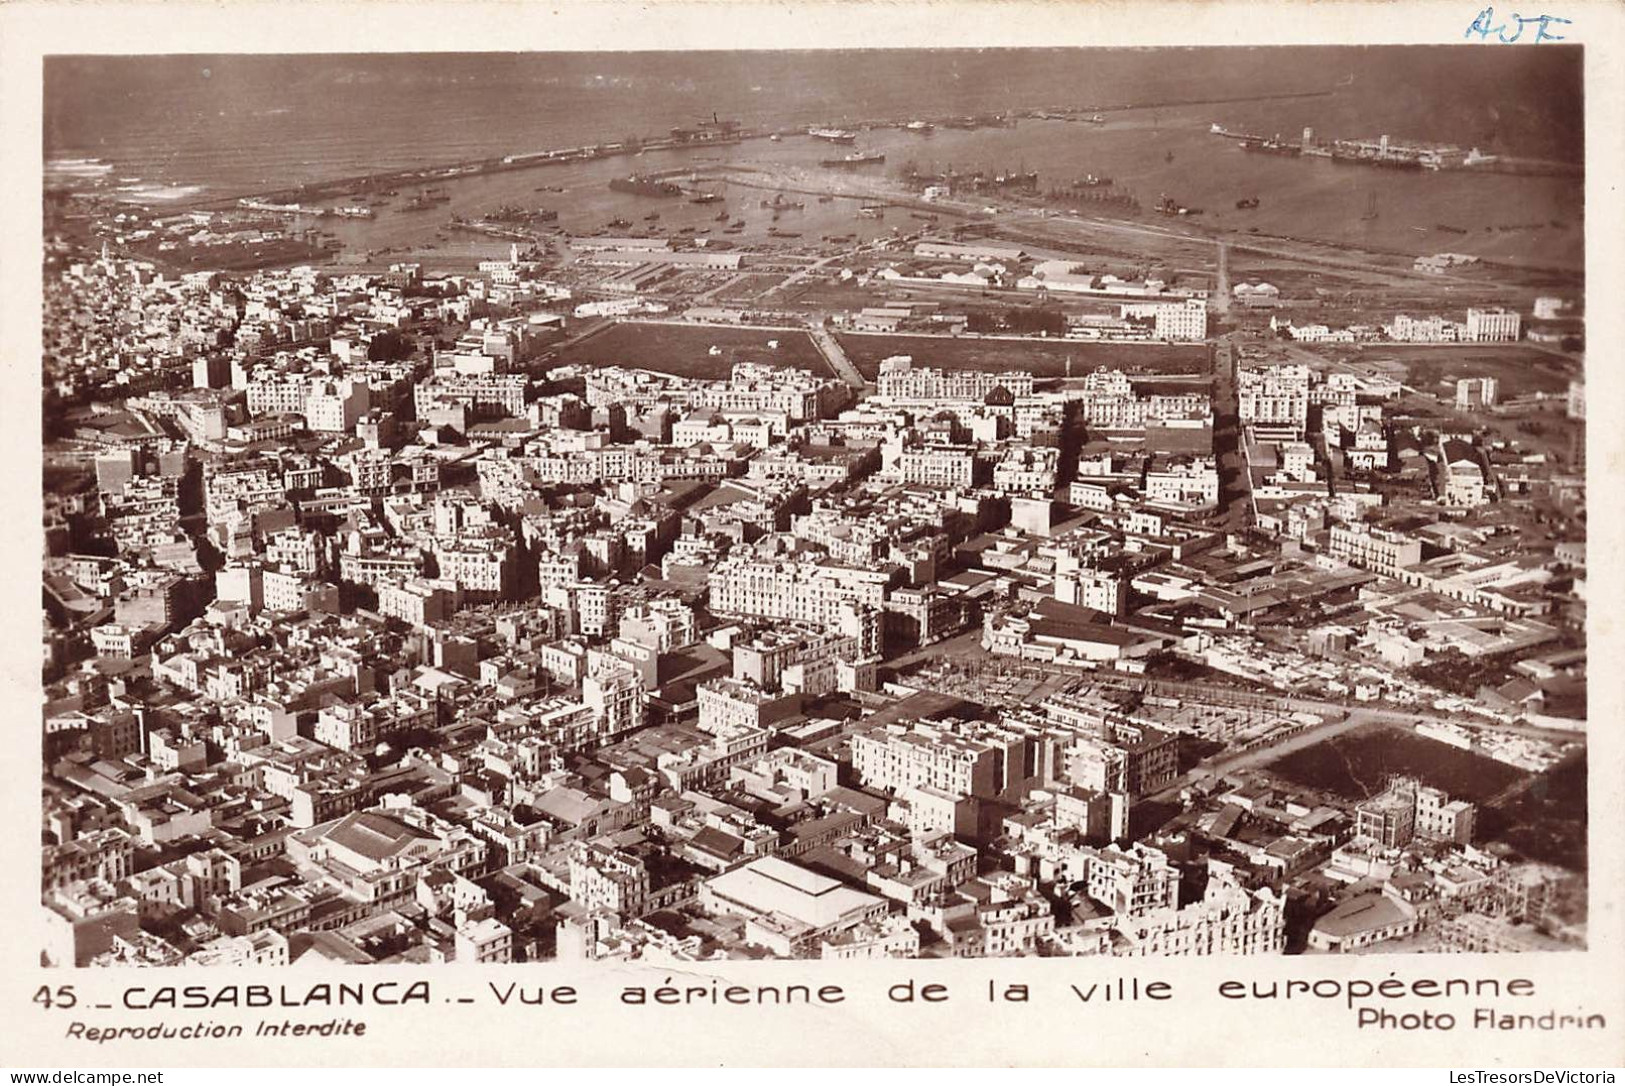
x=1130, y=882
x=1194, y=482
x=943, y=467
x=1473, y=393
x=899, y=380
x=1372, y=548
x=1492, y=325
x=1186, y=322
x=1229, y=920
x=1029, y=470
x=925, y=758
x=1092, y=588
x=797, y=591
x=482, y=394
x=1435, y=329
x=335, y=405
x=1275, y=396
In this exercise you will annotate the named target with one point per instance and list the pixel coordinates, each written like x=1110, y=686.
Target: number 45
x=62, y=996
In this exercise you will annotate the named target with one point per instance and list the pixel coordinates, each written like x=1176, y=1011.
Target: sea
x=153, y=129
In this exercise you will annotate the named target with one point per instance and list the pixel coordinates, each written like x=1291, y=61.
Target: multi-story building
x=1492, y=325
x=899, y=380
x=1192, y=481
x=1230, y=919
x=1387, y=819
x=610, y=880
x=806, y=592
x=730, y=705
x=1186, y=321
x=943, y=467
x=1407, y=809
x=1371, y=548
x=1132, y=881
x=484, y=395
x=1474, y=393
x=335, y=405
x=615, y=692
x=1275, y=396
x=663, y=625
x=952, y=757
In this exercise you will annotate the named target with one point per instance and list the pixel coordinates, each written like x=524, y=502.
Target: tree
x=389, y=346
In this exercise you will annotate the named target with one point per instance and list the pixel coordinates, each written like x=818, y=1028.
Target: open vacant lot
x=1040, y=357
x=1548, y=822
x=1520, y=370
x=685, y=350
x=1359, y=763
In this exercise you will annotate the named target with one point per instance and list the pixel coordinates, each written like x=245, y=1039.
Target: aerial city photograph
x=678, y=507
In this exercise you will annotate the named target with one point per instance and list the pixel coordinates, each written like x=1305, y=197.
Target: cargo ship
x=508, y=213
x=641, y=185
x=853, y=161
x=1272, y=147
x=1345, y=156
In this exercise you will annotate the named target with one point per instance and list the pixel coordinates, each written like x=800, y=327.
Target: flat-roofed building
x=789, y=909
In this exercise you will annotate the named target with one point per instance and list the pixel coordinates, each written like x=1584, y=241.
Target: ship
x=1096, y=119
x=833, y=135
x=1272, y=147
x=1167, y=205
x=1023, y=179
x=1092, y=181
x=853, y=161
x=704, y=198
x=1247, y=203
x=922, y=127
x=510, y=213
x=618, y=224
x=1345, y=155
x=642, y=185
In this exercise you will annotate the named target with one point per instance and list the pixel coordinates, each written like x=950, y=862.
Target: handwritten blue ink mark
x=1512, y=30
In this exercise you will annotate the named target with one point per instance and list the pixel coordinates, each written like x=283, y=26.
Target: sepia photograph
x=839, y=505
